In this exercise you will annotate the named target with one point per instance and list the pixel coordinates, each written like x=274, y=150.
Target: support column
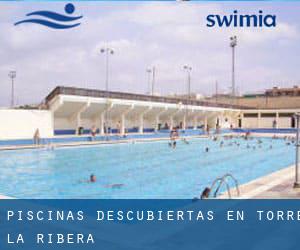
x=156, y=123
x=101, y=128
x=171, y=122
x=123, y=119
x=184, y=122
x=205, y=123
x=78, y=122
x=157, y=118
x=242, y=119
x=77, y=116
x=141, y=124
x=106, y=118
x=195, y=123
x=258, y=119
x=142, y=118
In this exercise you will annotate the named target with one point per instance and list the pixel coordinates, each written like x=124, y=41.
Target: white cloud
x=167, y=35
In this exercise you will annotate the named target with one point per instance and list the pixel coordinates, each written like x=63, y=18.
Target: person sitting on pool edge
x=205, y=193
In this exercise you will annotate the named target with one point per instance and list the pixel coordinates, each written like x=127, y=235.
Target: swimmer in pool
x=93, y=178
x=207, y=149
x=117, y=185
x=185, y=141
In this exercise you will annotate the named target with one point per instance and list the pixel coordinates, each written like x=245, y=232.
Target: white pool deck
x=277, y=185
x=90, y=143
x=69, y=144
x=5, y=197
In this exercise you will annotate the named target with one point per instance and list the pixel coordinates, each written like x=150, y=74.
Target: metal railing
x=220, y=182
x=130, y=96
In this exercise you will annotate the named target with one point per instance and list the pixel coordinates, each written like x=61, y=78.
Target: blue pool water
x=147, y=170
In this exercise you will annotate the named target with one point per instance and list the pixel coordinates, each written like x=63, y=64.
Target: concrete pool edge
x=91, y=143
x=4, y=197
x=276, y=185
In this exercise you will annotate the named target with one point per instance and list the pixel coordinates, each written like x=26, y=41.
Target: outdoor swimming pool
x=147, y=170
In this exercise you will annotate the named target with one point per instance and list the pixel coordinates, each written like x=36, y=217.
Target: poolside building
x=69, y=111
x=74, y=108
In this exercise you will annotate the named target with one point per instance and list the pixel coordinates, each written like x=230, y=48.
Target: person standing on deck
x=36, y=137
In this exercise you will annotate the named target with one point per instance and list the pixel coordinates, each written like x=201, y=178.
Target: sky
x=144, y=34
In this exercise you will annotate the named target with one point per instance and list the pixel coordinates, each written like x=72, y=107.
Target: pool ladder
x=223, y=180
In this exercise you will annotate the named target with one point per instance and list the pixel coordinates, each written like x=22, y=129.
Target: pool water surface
x=143, y=170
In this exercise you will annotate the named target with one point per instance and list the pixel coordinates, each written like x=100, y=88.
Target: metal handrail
x=235, y=182
x=220, y=181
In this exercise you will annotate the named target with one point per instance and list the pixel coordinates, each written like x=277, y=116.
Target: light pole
x=217, y=91
x=149, y=72
x=297, y=181
x=188, y=69
x=233, y=44
x=153, y=79
x=12, y=75
x=107, y=51
x=153, y=72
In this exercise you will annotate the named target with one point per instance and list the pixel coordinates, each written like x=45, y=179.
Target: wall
x=22, y=124
x=250, y=122
x=284, y=122
x=64, y=123
x=266, y=122
x=282, y=102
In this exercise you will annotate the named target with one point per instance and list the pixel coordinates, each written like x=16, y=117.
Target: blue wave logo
x=55, y=20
